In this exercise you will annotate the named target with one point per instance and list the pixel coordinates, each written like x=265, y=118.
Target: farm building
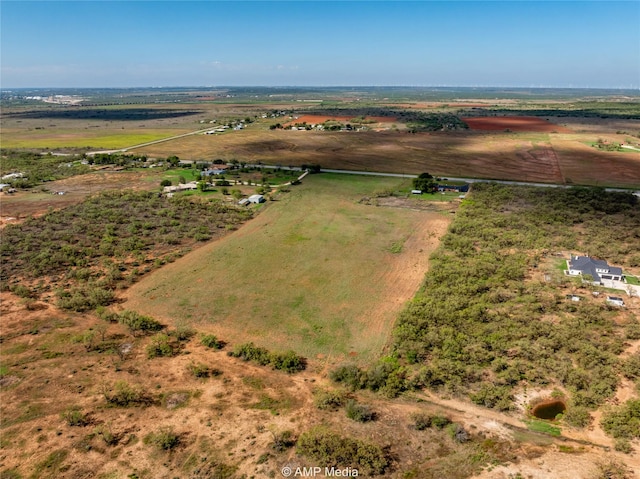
x=214, y=171
x=181, y=187
x=256, y=199
x=459, y=188
x=596, y=268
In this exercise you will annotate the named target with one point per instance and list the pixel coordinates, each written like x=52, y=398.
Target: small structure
x=180, y=187
x=12, y=176
x=459, y=188
x=256, y=199
x=214, y=171
x=416, y=192
x=574, y=297
x=615, y=300
x=243, y=202
x=596, y=268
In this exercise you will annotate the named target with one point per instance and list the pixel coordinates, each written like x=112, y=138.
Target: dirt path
x=406, y=272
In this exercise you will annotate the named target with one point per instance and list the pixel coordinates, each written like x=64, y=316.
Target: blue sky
x=320, y=43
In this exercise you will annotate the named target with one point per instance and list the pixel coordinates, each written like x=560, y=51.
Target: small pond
x=549, y=409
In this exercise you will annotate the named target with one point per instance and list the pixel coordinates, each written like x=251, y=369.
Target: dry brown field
x=513, y=123
x=227, y=421
x=519, y=156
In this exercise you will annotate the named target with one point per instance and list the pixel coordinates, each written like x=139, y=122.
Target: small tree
x=425, y=182
x=165, y=182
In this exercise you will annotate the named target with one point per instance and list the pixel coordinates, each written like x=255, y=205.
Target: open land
x=327, y=269
x=312, y=273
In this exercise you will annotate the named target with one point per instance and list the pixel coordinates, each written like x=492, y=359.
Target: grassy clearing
x=632, y=279
x=55, y=138
x=308, y=274
x=544, y=427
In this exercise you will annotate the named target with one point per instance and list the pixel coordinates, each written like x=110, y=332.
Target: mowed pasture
x=105, y=127
x=91, y=138
x=519, y=156
x=317, y=272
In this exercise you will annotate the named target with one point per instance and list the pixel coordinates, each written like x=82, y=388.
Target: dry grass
x=315, y=272
x=537, y=157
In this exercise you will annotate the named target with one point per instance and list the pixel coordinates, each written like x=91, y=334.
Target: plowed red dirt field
x=513, y=123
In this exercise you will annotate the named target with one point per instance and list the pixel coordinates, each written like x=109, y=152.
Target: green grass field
x=314, y=272
x=111, y=139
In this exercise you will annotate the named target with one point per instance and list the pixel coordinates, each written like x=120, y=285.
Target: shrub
x=328, y=400
x=85, y=298
x=493, y=396
x=631, y=366
x=359, y=412
x=330, y=449
x=282, y=441
x=623, y=421
x=612, y=469
x=75, y=417
x=22, y=291
x=350, y=375
x=424, y=421
x=459, y=433
x=577, y=416
x=211, y=341
x=160, y=347
x=624, y=446
x=164, y=439
x=183, y=332
x=199, y=370
x=289, y=362
x=251, y=352
x=421, y=421
x=107, y=434
x=138, y=323
x=124, y=395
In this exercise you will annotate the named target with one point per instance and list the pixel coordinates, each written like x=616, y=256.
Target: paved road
x=470, y=180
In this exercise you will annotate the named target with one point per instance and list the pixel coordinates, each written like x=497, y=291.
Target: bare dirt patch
x=513, y=123
x=37, y=201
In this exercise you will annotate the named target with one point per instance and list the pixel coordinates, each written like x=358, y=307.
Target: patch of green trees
x=477, y=327
x=38, y=168
x=88, y=250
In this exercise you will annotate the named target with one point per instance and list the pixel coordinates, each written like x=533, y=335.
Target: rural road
x=121, y=150
x=370, y=173
x=448, y=178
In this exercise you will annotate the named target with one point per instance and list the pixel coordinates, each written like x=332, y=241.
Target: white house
x=596, y=268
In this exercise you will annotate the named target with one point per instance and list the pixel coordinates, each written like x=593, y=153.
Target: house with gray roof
x=596, y=268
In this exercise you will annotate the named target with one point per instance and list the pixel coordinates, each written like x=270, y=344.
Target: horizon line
x=322, y=86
